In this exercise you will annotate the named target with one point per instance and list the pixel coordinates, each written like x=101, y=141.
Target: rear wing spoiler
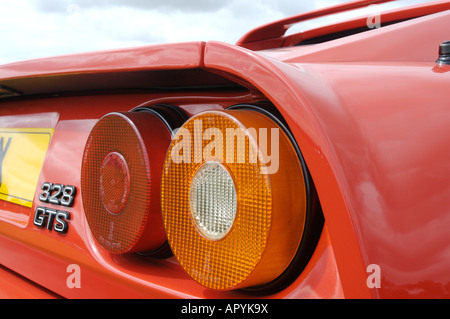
x=278, y=28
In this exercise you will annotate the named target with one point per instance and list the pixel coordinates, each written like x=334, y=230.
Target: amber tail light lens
x=120, y=181
x=234, y=213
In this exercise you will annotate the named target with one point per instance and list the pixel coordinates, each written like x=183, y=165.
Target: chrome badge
x=51, y=218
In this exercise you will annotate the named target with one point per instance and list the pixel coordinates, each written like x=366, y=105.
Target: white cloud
x=38, y=28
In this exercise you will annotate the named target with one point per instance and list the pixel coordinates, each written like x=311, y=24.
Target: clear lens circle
x=212, y=200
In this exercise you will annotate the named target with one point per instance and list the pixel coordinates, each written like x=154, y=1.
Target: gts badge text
x=53, y=218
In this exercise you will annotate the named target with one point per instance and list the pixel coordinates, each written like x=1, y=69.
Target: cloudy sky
x=39, y=28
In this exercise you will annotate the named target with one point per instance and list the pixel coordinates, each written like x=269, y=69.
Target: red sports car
x=313, y=164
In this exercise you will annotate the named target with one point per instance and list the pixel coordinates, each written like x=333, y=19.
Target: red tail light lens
x=120, y=181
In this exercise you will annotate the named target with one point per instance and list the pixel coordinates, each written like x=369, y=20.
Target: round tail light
x=120, y=181
x=234, y=201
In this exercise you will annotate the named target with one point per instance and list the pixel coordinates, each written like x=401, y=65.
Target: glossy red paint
x=369, y=112
x=17, y=287
x=276, y=30
x=273, y=35
x=365, y=206
x=167, y=57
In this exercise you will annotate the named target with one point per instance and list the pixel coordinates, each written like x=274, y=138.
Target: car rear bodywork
x=368, y=111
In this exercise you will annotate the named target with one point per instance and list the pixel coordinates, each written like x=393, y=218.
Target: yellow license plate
x=22, y=153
